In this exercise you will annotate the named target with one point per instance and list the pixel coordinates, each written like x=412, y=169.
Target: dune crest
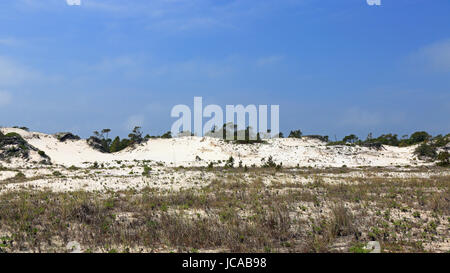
x=199, y=151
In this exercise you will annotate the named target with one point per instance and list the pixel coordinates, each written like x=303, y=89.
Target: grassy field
x=236, y=210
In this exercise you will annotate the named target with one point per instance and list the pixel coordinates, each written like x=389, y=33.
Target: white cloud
x=5, y=98
x=435, y=56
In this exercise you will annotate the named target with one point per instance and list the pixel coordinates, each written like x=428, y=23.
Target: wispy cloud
x=435, y=57
x=13, y=73
x=172, y=16
x=9, y=42
x=169, y=15
x=269, y=60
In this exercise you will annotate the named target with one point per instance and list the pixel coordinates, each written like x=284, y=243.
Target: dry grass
x=236, y=212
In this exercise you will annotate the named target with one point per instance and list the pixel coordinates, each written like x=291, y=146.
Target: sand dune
x=186, y=151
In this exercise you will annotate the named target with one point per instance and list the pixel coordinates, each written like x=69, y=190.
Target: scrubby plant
x=42, y=153
x=419, y=137
x=358, y=248
x=211, y=165
x=12, y=134
x=249, y=137
x=343, y=221
x=350, y=138
x=73, y=168
x=270, y=163
x=443, y=159
x=136, y=135
x=386, y=139
x=426, y=151
x=441, y=141
x=167, y=135
x=319, y=137
x=146, y=171
x=295, y=134
x=229, y=163
x=22, y=128
x=20, y=176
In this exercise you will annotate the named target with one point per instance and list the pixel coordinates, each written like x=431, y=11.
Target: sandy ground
x=308, y=165
x=73, y=163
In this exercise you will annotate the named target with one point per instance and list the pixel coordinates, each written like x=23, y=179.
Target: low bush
x=426, y=151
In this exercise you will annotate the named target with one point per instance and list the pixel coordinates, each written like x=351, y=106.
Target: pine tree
x=115, y=145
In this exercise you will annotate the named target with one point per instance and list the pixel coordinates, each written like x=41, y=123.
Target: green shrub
x=167, y=135
x=350, y=138
x=20, y=176
x=42, y=153
x=146, y=171
x=12, y=134
x=441, y=141
x=426, y=150
x=73, y=168
x=443, y=159
x=271, y=164
x=211, y=165
x=419, y=137
x=295, y=134
x=334, y=143
x=319, y=137
x=230, y=162
x=386, y=139
x=358, y=248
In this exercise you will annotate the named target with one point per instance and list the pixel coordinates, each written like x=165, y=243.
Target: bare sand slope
x=193, y=151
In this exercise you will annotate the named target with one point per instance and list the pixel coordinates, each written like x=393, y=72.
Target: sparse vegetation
x=224, y=205
x=237, y=212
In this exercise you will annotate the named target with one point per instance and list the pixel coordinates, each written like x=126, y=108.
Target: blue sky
x=334, y=67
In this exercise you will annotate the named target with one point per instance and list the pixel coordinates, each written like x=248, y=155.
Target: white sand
x=123, y=170
x=183, y=152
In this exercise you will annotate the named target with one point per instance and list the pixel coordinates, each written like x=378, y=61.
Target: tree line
x=115, y=145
